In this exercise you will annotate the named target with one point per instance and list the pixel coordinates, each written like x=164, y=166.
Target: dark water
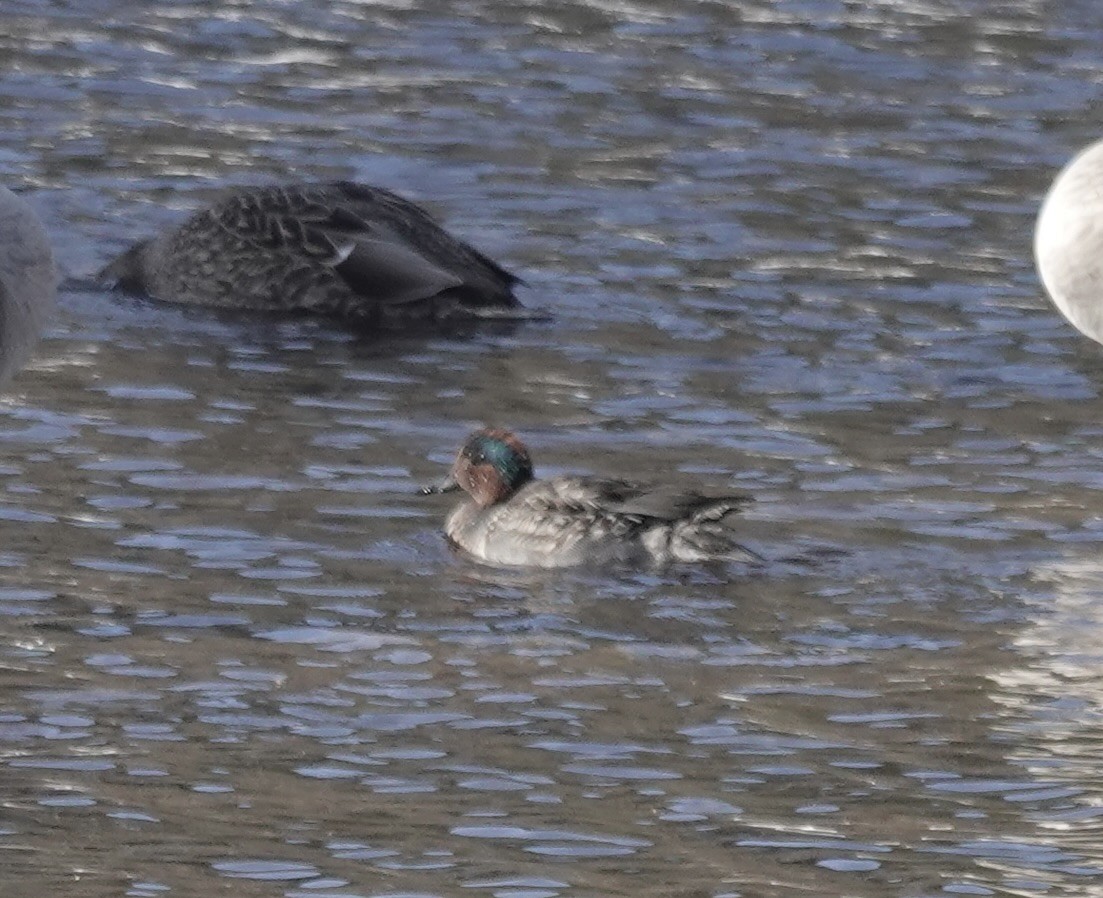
x=788, y=250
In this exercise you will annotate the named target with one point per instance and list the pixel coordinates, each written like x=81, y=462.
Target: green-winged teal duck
x=512, y=518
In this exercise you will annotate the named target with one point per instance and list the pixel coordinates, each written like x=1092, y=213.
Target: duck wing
x=628, y=505
x=340, y=247
x=385, y=249
x=412, y=225
x=664, y=502
x=682, y=525
x=570, y=520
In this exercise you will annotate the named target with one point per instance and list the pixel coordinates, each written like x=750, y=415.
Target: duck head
x=127, y=272
x=491, y=466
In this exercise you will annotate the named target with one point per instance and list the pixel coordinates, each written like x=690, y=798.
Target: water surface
x=787, y=246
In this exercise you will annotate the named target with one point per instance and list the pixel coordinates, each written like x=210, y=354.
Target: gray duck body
x=511, y=518
x=350, y=251
x=566, y=521
x=28, y=281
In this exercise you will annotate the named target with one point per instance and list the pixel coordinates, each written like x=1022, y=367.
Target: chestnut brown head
x=491, y=466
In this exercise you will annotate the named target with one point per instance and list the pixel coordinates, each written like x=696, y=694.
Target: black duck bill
x=446, y=484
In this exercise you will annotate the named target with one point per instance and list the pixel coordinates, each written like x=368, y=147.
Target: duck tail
x=708, y=541
x=704, y=536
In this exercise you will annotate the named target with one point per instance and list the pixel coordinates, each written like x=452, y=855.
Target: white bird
x=28, y=282
x=1068, y=242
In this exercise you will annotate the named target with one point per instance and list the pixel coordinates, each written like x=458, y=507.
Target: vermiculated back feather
x=570, y=520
